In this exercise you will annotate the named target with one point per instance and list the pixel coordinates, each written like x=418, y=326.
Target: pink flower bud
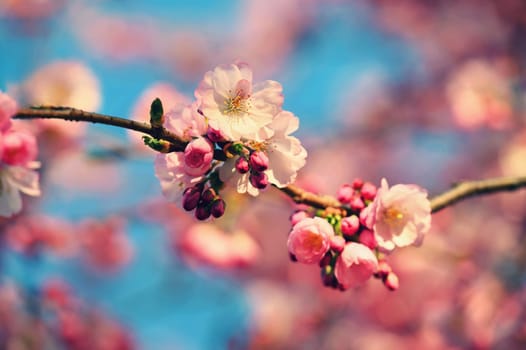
x=368, y=191
x=345, y=194
x=383, y=269
x=355, y=265
x=350, y=225
x=391, y=281
x=8, y=108
x=258, y=161
x=357, y=183
x=218, y=208
x=215, y=135
x=367, y=238
x=298, y=216
x=258, y=180
x=357, y=203
x=337, y=243
x=202, y=212
x=19, y=148
x=198, y=156
x=309, y=240
x=242, y=166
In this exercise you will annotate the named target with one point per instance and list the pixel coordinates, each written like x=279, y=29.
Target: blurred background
x=424, y=92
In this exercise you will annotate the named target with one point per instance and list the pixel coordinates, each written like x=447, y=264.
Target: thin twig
x=459, y=192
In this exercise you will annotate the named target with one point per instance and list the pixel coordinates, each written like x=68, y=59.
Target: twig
x=459, y=192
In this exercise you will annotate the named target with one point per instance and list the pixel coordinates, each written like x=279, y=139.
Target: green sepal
x=156, y=144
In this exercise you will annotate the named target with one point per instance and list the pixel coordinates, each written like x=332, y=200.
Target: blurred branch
x=460, y=191
x=466, y=189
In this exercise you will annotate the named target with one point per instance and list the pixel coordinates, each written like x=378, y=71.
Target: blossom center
x=314, y=241
x=236, y=105
x=393, y=216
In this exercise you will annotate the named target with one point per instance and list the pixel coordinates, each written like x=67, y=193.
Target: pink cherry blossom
x=310, y=239
x=355, y=265
x=8, y=108
x=198, y=156
x=170, y=170
x=19, y=148
x=399, y=216
x=233, y=105
x=185, y=121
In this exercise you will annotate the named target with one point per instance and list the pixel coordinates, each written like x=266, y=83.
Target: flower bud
x=258, y=161
x=368, y=191
x=198, y=156
x=391, y=281
x=218, y=208
x=383, y=270
x=191, y=198
x=214, y=135
x=350, y=225
x=298, y=216
x=208, y=196
x=242, y=166
x=345, y=194
x=357, y=183
x=202, y=212
x=357, y=203
x=258, y=180
x=337, y=243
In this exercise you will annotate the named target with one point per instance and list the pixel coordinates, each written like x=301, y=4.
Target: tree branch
x=460, y=191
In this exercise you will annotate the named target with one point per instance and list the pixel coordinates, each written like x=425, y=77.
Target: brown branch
x=466, y=189
x=459, y=192
x=77, y=115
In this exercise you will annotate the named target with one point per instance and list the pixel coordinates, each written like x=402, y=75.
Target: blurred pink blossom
x=19, y=148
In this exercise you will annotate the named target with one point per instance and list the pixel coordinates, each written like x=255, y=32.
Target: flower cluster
x=18, y=151
x=350, y=243
x=236, y=134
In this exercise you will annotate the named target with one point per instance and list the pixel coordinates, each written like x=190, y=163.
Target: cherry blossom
x=310, y=239
x=233, y=105
x=399, y=216
x=355, y=265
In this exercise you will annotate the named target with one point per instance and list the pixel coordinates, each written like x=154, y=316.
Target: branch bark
x=460, y=191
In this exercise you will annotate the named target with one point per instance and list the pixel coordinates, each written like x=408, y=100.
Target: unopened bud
x=191, y=198
x=383, y=269
x=298, y=216
x=242, y=166
x=367, y=238
x=350, y=225
x=337, y=243
x=208, y=196
x=202, y=212
x=214, y=135
x=345, y=194
x=368, y=191
x=357, y=203
x=258, y=161
x=391, y=281
x=357, y=183
x=218, y=208
x=258, y=180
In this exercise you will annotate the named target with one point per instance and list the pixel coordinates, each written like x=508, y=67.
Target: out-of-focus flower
x=105, y=243
x=207, y=244
x=63, y=83
x=19, y=148
x=8, y=108
x=309, y=240
x=399, y=216
x=355, y=265
x=32, y=233
x=235, y=107
x=480, y=95
x=16, y=179
x=30, y=9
